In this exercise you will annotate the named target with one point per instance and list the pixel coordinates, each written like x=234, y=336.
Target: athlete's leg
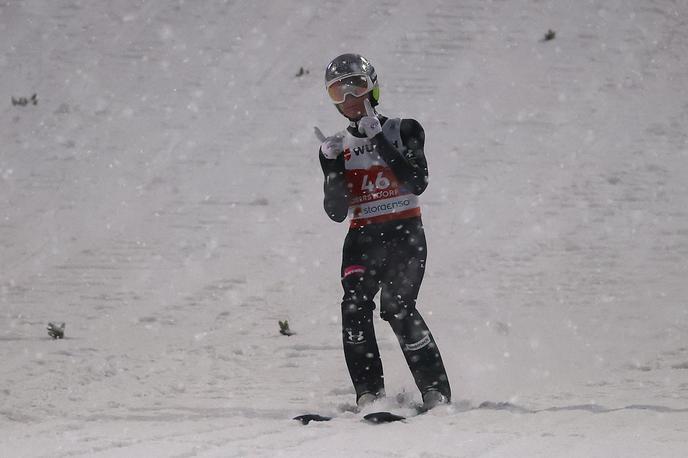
x=358, y=334
x=404, y=274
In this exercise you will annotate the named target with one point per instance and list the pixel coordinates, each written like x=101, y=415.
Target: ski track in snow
x=164, y=200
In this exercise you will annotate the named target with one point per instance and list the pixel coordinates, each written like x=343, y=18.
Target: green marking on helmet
x=376, y=93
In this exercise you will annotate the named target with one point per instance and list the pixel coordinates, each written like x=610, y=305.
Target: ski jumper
x=376, y=183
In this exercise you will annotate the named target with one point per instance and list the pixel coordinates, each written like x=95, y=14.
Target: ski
x=309, y=417
x=372, y=418
x=403, y=402
x=382, y=417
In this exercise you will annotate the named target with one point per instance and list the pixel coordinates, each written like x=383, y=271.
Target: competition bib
x=375, y=194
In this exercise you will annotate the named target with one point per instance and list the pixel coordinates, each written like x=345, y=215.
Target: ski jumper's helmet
x=351, y=74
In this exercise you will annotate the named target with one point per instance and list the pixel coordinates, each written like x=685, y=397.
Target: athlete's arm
x=336, y=201
x=411, y=168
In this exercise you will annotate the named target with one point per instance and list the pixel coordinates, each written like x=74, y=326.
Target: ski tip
x=307, y=418
x=377, y=418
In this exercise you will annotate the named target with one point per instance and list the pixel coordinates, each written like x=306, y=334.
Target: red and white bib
x=375, y=194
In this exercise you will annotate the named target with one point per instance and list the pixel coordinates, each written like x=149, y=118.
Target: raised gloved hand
x=332, y=146
x=369, y=125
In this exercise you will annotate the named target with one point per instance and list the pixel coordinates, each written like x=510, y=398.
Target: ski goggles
x=356, y=85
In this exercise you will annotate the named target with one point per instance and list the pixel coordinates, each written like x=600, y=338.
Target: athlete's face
x=353, y=107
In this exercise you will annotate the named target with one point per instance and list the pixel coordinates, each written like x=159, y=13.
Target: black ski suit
x=388, y=257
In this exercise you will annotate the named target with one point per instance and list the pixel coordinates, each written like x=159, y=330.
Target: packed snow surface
x=163, y=198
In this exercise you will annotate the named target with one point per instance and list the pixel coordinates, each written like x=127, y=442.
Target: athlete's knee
x=395, y=307
x=358, y=289
x=356, y=298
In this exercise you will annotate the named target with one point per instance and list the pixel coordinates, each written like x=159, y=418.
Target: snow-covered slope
x=163, y=198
